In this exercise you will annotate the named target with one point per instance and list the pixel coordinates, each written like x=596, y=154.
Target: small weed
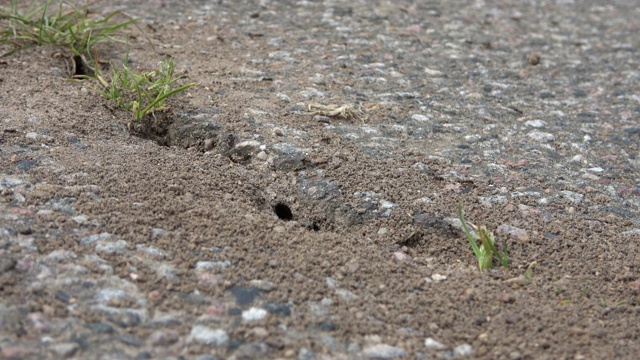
x=140, y=93
x=528, y=275
x=487, y=250
x=604, y=304
x=69, y=27
x=587, y=289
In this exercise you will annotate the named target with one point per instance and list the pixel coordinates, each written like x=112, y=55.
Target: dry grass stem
x=345, y=111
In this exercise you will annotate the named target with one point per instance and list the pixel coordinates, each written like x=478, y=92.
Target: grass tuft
x=69, y=26
x=64, y=25
x=487, y=250
x=140, y=93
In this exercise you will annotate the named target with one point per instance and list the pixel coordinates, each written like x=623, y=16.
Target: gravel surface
x=300, y=201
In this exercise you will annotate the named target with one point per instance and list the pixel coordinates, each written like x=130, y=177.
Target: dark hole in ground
x=81, y=68
x=283, y=212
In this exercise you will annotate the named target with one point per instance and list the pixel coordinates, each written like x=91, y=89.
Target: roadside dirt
x=241, y=212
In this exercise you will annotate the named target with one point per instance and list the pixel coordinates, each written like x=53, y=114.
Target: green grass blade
x=165, y=96
x=471, y=239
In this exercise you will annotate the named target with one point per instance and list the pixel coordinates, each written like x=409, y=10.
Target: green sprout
x=587, y=289
x=69, y=27
x=487, y=250
x=140, y=93
x=528, y=275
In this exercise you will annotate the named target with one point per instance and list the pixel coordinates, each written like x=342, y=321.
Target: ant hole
x=80, y=66
x=283, y=212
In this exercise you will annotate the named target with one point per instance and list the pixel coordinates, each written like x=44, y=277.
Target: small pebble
x=534, y=59
x=432, y=343
x=346, y=295
x=209, y=265
x=419, y=118
x=262, y=156
x=463, y=350
x=208, y=144
x=383, y=351
x=254, y=314
x=438, y=277
x=208, y=336
x=433, y=72
x=400, y=256
x=284, y=98
x=573, y=197
x=260, y=332
x=263, y=285
x=111, y=247
x=538, y=124
x=542, y=136
x=164, y=337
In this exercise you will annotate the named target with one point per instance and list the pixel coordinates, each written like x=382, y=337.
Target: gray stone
x=462, y=350
x=65, y=350
x=111, y=247
x=573, y=197
x=346, y=295
x=383, y=351
x=164, y=337
x=208, y=336
x=210, y=265
x=538, y=124
x=61, y=255
x=151, y=251
x=263, y=285
x=542, y=136
x=88, y=240
x=305, y=354
x=420, y=118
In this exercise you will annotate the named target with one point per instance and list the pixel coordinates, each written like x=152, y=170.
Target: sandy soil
x=248, y=221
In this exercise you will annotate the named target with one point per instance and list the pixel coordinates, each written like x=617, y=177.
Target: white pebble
x=208, y=265
x=432, y=343
x=538, y=124
x=433, y=72
x=346, y=295
x=438, y=277
x=574, y=197
x=542, y=136
x=208, y=336
x=262, y=156
x=577, y=158
x=254, y=314
x=383, y=351
x=463, y=350
x=111, y=247
x=387, y=204
x=80, y=219
x=420, y=118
